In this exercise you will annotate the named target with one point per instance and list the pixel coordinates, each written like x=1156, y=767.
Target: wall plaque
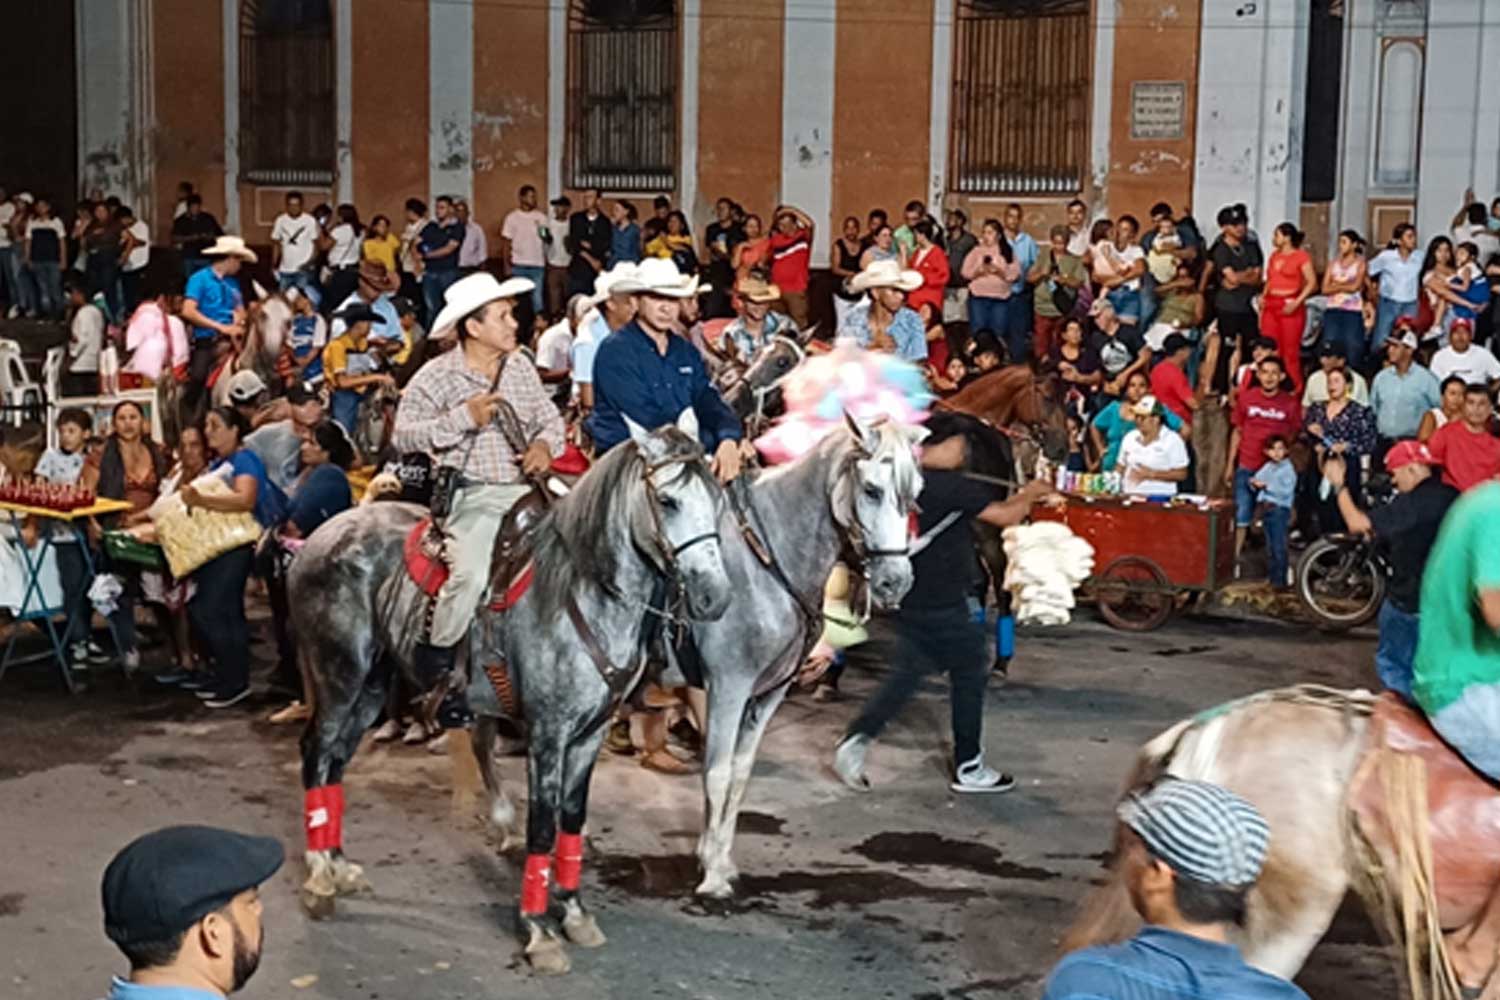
x=1157, y=109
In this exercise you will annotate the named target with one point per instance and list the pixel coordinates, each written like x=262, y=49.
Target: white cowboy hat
x=620, y=278
x=467, y=294
x=231, y=246
x=659, y=276
x=756, y=290
x=885, y=274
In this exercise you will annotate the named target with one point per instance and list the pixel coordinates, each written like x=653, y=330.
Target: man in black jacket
x=588, y=242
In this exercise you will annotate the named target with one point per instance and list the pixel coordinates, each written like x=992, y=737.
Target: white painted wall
x=1460, y=120
x=557, y=97
x=450, y=97
x=1252, y=84
x=343, y=90
x=231, y=41
x=687, y=103
x=105, y=83
x=940, y=114
x=807, y=116
x=1106, y=13
x=1357, y=122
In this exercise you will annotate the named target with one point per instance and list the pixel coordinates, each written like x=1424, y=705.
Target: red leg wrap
x=534, y=885
x=336, y=814
x=317, y=818
x=568, y=860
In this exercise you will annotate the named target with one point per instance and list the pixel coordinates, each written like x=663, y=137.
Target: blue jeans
x=1346, y=328
x=1244, y=497
x=217, y=614
x=344, y=408
x=10, y=278
x=434, y=284
x=1276, y=519
x=992, y=314
x=538, y=278
x=1018, y=318
x=1386, y=314
x=48, y=277
x=1397, y=648
x=1470, y=724
x=1127, y=303
x=303, y=281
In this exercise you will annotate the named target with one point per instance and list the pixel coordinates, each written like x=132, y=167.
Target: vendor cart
x=1149, y=553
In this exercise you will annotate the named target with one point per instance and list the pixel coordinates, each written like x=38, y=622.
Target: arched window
x=622, y=94
x=287, y=129
x=1021, y=93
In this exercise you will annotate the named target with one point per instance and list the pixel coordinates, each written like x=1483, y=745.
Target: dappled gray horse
x=647, y=512
x=849, y=498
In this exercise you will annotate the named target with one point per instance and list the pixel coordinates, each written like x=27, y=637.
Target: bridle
x=692, y=461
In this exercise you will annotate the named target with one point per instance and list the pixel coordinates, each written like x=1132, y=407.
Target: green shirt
x=1455, y=648
x=1068, y=266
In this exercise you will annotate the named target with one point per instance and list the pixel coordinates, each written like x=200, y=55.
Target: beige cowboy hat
x=659, y=276
x=756, y=290
x=231, y=246
x=466, y=295
x=885, y=274
x=620, y=278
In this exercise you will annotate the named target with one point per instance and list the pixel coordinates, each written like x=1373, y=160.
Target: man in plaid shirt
x=449, y=412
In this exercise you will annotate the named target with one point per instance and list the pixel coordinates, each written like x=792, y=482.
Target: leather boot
x=444, y=703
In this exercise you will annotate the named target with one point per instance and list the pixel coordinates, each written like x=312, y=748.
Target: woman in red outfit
x=1290, y=279
x=931, y=261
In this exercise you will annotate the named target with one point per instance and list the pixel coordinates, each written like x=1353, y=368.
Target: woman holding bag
x=217, y=610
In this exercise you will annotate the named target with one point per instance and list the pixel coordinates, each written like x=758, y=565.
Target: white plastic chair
x=18, y=392
x=52, y=386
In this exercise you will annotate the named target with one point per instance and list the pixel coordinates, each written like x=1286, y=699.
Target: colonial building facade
x=1341, y=113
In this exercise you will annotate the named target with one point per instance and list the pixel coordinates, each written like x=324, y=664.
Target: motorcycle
x=1341, y=578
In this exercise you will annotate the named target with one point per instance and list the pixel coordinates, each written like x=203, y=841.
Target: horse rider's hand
x=482, y=407
x=727, y=460
x=537, y=460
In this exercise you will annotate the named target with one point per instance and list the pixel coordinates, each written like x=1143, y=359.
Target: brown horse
x=1023, y=405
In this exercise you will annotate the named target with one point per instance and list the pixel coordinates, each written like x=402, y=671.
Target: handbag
x=192, y=538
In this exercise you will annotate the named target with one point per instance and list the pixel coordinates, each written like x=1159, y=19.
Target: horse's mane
x=980, y=395
x=989, y=450
x=586, y=536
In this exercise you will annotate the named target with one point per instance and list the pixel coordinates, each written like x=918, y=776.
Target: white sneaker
x=130, y=662
x=388, y=732
x=78, y=653
x=14, y=312
x=849, y=761
x=976, y=776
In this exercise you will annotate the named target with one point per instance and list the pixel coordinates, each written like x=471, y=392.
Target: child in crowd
x=1469, y=282
x=1244, y=372
x=1076, y=429
x=1161, y=261
x=64, y=464
x=1276, y=482
x=309, y=336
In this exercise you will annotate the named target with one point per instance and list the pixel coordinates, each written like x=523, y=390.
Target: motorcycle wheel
x=1339, y=583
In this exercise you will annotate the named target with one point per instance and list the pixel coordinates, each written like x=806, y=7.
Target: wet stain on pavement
x=10, y=903
x=935, y=850
x=987, y=987
x=177, y=761
x=761, y=823
x=1184, y=650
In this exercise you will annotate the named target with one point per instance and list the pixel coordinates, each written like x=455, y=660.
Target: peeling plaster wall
x=106, y=122
x=450, y=97
x=1154, y=40
x=739, y=106
x=188, y=139
x=806, y=117
x=511, y=63
x=388, y=134
x=1251, y=92
x=1460, y=109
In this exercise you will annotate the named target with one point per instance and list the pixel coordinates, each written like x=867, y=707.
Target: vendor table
x=1147, y=552
x=33, y=604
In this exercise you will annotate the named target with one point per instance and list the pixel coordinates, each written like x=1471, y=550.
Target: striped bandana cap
x=1201, y=831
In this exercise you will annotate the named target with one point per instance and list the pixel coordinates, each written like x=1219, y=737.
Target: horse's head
x=1044, y=414
x=874, y=491
x=1028, y=406
x=779, y=356
x=674, y=517
x=270, y=323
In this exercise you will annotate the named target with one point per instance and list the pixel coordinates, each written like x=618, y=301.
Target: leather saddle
x=510, y=562
x=1462, y=814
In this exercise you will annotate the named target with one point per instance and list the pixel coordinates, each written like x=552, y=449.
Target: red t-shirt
x=790, y=257
x=1284, y=275
x=1260, y=416
x=1468, y=459
x=1170, y=386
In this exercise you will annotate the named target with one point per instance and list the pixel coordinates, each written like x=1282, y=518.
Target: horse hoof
x=583, y=930
x=349, y=879
x=547, y=956
x=318, y=901
x=715, y=887
x=502, y=814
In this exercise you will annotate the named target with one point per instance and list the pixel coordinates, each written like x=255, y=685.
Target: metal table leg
x=34, y=588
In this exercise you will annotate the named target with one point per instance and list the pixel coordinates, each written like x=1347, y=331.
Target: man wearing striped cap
x=1190, y=853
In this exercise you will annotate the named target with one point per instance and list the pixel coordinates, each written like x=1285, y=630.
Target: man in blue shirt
x=213, y=307
x=1402, y=391
x=645, y=372
x=1190, y=852
x=886, y=324
x=183, y=904
x=1018, y=317
x=438, y=244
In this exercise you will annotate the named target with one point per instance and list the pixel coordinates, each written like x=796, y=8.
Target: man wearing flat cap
x=1190, y=852
x=183, y=905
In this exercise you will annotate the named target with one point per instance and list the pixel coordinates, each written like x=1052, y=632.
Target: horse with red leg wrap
x=644, y=520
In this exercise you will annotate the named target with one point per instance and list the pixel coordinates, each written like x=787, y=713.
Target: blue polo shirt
x=1025, y=249
x=436, y=235
x=1158, y=963
x=217, y=299
x=632, y=378
x=121, y=989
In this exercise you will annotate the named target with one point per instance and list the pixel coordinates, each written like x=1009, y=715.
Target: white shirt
x=557, y=248
x=592, y=330
x=554, y=348
x=298, y=238
x=524, y=231
x=1476, y=364
x=1165, y=453
x=409, y=235
x=345, y=250
x=474, y=250
x=86, y=339
x=140, y=254
x=1487, y=242
x=7, y=216
x=1078, y=243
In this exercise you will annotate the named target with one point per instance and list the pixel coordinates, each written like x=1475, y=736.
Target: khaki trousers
x=471, y=528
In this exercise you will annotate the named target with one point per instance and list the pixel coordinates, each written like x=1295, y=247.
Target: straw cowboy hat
x=379, y=277
x=231, y=246
x=620, y=278
x=756, y=290
x=466, y=295
x=659, y=276
x=885, y=274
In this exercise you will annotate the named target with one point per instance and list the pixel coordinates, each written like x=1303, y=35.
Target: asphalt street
x=908, y=891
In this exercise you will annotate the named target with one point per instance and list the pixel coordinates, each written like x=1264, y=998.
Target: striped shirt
x=434, y=419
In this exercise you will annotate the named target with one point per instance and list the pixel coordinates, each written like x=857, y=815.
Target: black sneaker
x=228, y=700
